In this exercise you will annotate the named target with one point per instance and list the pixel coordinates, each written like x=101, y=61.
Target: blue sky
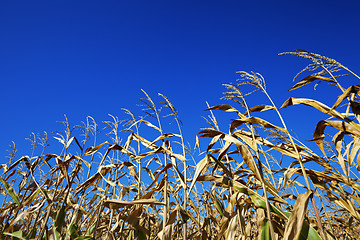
x=83, y=58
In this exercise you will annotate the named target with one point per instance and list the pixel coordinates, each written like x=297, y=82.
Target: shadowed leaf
x=347, y=93
x=10, y=191
x=340, y=125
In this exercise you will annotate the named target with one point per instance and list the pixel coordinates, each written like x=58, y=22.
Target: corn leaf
x=10, y=191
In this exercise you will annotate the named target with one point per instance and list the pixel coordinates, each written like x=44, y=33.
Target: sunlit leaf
x=259, y=108
x=115, y=203
x=254, y=120
x=199, y=168
x=313, y=103
x=308, y=80
x=296, y=220
x=92, y=150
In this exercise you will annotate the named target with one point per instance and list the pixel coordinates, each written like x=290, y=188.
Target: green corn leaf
x=32, y=233
x=83, y=238
x=141, y=235
x=265, y=231
x=56, y=234
x=217, y=204
x=91, y=229
x=17, y=234
x=46, y=235
x=46, y=195
x=73, y=229
x=11, y=191
x=60, y=217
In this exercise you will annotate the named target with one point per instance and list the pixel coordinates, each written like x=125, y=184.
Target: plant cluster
x=143, y=181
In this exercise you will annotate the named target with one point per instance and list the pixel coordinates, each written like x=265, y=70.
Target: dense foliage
x=144, y=183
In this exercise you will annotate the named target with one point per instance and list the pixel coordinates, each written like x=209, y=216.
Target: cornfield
x=141, y=181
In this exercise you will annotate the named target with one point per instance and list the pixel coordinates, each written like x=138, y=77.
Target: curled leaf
x=340, y=125
x=353, y=89
x=254, y=120
x=92, y=150
x=313, y=103
x=308, y=80
x=259, y=108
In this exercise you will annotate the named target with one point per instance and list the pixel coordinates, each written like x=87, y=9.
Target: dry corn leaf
x=172, y=216
x=231, y=230
x=117, y=203
x=313, y=103
x=63, y=168
x=145, y=142
x=180, y=175
x=92, y=150
x=213, y=141
x=308, y=80
x=164, y=136
x=355, y=146
x=226, y=108
x=11, y=174
x=132, y=169
x=340, y=125
x=221, y=165
x=198, y=170
x=253, y=120
x=16, y=163
x=150, y=125
x=296, y=220
x=355, y=107
x=338, y=139
x=69, y=142
x=169, y=165
x=3, y=166
x=259, y=108
x=353, y=89
x=224, y=226
x=149, y=172
x=102, y=169
x=121, y=149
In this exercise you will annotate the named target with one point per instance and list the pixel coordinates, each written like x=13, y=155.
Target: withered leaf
x=308, y=80
x=297, y=217
x=117, y=203
x=254, y=120
x=259, y=108
x=92, y=150
x=353, y=89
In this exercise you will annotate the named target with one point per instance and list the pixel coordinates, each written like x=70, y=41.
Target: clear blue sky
x=83, y=58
